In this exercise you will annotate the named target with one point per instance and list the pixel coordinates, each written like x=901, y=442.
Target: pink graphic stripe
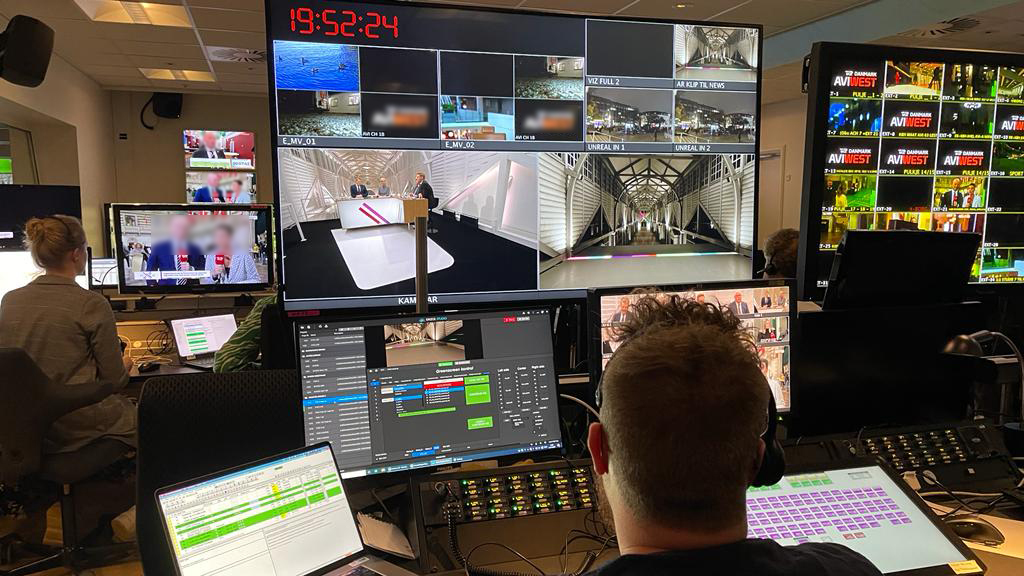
x=368, y=215
x=370, y=208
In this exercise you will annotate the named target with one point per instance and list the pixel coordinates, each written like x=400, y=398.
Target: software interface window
x=763, y=312
x=925, y=146
x=557, y=160
x=483, y=384
x=245, y=522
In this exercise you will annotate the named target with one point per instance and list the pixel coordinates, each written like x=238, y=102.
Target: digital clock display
x=346, y=23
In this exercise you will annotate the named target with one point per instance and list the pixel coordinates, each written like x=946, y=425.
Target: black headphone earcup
x=773, y=465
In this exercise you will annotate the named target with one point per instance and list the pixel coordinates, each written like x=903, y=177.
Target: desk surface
x=164, y=370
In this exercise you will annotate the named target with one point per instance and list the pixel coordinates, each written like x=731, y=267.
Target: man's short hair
x=781, y=250
x=684, y=403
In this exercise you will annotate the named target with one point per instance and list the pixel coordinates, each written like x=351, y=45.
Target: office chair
x=31, y=403
x=195, y=424
x=276, y=342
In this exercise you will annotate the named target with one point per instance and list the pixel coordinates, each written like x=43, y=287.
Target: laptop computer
x=863, y=506
x=287, y=515
x=199, y=338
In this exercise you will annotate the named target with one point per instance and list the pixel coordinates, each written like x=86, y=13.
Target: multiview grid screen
x=548, y=157
x=919, y=140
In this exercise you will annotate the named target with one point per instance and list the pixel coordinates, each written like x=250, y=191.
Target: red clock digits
x=304, y=16
x=393, y=26
x=330, y=26
x=368, y=31
x=346, y=27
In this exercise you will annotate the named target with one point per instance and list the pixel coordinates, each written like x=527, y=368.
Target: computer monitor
x=864, y=507
x=485, y=119
x=102, y=273
x=21, y=202
x=287, y=515
x=482, y=383
x=18, y=269
x=913, y=139
x=167, y=248
x=202, y=335
x=765, y=308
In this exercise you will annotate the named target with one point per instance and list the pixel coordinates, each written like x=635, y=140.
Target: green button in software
x=478, y=423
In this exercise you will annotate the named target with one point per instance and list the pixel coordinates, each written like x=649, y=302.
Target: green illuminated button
x=479, y=423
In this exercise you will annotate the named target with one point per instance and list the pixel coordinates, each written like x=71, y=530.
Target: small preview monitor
x=166, y=248
x=202, y=335
x=22, y=202
x=287, y=515
x=219, y=149
x=482, y=383
x=865, y=508
x=102, y=273
x=765, y=309
x=220, y=187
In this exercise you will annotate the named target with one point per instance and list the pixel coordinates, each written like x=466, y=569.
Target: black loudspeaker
x=25, y=48
x=167, y=104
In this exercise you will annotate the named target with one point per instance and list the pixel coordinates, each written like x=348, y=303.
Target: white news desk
x=363, y=212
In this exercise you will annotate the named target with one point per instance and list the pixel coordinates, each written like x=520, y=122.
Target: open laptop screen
x=202, y=334
x=286, y=516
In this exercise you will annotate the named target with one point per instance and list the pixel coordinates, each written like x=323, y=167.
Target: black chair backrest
x=276, y=341
x=29, y=404
x=196, y=424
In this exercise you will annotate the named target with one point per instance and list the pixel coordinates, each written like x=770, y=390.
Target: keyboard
x=820, y=513
x=201, y=363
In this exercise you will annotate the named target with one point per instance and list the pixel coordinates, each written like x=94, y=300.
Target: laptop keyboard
x=202, y=362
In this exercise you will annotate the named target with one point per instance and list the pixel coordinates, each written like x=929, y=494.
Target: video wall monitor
x=913, y=139
x=766, y=308
x=551, y=160
x=220, y=187
x=22, y=202
x=220, y=149
x=169, y=248
x=483, y=383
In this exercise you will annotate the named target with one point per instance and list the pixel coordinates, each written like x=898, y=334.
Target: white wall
x=69, y=116
x=782, y=128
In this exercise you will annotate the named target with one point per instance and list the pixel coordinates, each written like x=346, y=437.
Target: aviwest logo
x=911, y=120
x=904, y=157
x=855, y=156
x=856, y=79
x=1014, y=123
x=971, y=158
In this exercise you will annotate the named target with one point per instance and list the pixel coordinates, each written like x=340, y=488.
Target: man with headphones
x=687, y=425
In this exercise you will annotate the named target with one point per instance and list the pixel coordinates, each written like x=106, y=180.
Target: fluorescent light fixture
x=182, y=75
x=132, y=12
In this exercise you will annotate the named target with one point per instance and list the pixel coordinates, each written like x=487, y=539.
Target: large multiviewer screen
x=764, y=309
x=907, y=139
x=400, y=393
x=551, y=158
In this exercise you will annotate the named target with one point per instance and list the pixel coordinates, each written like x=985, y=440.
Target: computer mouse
x=975, y=529
x=148, y=367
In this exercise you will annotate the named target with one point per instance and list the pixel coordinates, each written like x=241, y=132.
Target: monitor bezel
x=123, y=288
x=538, y=295
x=860, y=462
x=823, y=56
x=381, y=478
x=594, y=315
x=227, y=471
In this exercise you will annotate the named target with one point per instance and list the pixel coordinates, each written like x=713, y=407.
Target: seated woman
x=229, y=264
x=70, y=333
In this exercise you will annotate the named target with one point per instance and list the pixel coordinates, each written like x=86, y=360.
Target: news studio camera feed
x=423, y=343
x=763, y=313
x=716, y=53
x=634, y=218
x=179, y=249
x=220, y=187
x=629, y=115
x=945, y=155
x=220, y=149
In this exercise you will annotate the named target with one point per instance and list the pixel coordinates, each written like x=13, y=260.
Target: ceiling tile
x=85, y=57
x=794, y=13
x=247, y=68
x=168, y=62
x=108, y=81
x=667, y=10
x=181, y=85
x=72, y=44
x=45, y=10
x=603, y=7
x=102, y=70
x=256, y=5
x=161, y=49
x=236, y=20
x=253, y=40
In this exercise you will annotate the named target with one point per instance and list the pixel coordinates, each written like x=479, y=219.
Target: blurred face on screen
x=178, y=228
x=222, y=239
x=210, y=140
x=420, y=177
x=738, y=297
x=624, y=305
x=213, y=179
x=700, y=298
x=236, y=187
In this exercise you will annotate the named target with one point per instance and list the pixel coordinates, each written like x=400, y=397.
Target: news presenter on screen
x=684, y=405
x=209, y=149
x=383, y=191
x=235, y=194
x=209, y=192
x=228, y=265
x=738, y=306
x=177, y=253
x=358, y=189
x=422, y=189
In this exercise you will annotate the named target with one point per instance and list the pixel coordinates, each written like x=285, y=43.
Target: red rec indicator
x=509, y=320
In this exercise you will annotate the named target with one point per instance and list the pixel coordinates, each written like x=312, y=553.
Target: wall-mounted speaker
x=167, y=104
x=25, y=49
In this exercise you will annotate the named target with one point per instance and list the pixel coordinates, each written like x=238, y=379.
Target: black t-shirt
x=745, y=558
